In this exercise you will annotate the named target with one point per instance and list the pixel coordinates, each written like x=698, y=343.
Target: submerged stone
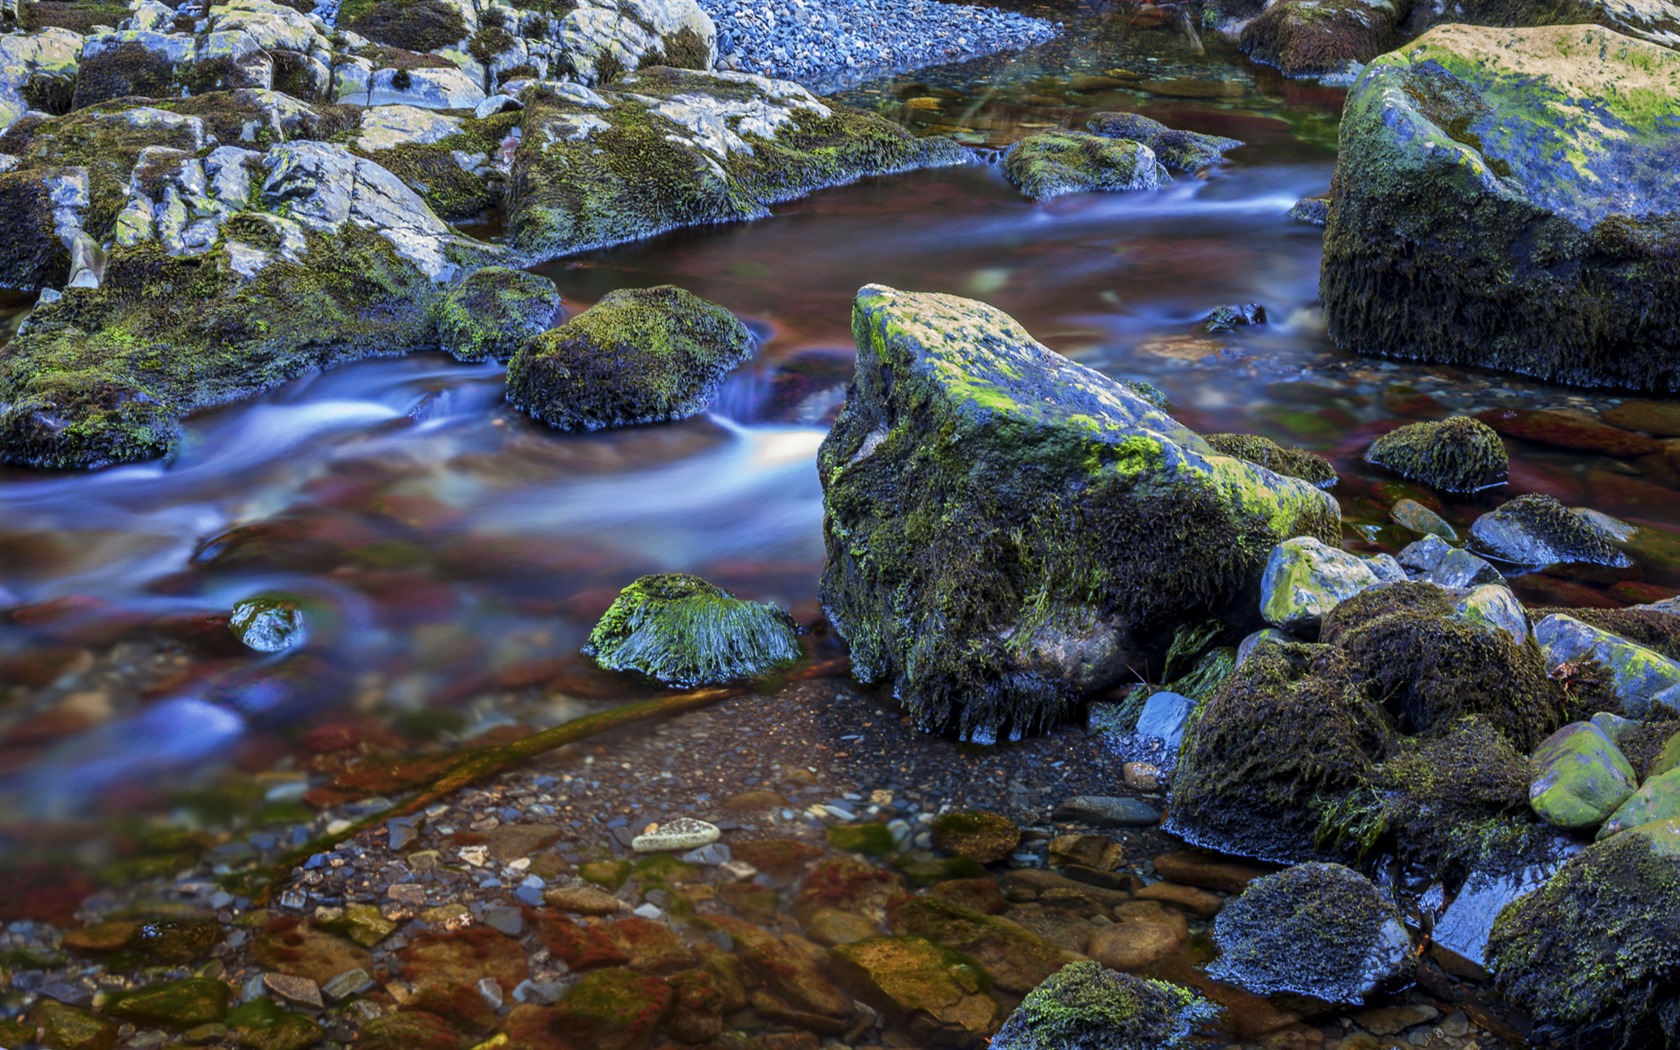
x=1319, y=930
x=641, y=355
x=940, y=996
x=986, y=838
x=1458, y=454
x=1580, y=778
x=1503, y=198
x=1534, y=529
x=268, y=625
x=1052, y=163
x=492, y=314
x=1086, y=1006
x=1007, y=530
x=1280, y=459
x=1185, y=151
x=686, y=632
x=175, y=1004
x=1643, y=680
x=1413, y=515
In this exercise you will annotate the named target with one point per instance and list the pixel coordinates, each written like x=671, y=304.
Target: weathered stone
x=1657, y=799
x=1457, y=454
x=1053, y=163
x=1538, y=530
x=1326, y=38
x=934, y=992
x=1107, y=811
x=1085, y=1005
x=1306, y=578
x=1580, y=778
x=1185, y=151
x=1641, y=679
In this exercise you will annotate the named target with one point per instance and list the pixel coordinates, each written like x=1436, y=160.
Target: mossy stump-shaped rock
x=640, y=355
x=1279, y=459
x=1318, y=930
x=1177, y=150
x=1052, y=163
x=1595, y=952
x=1458, y=454
x=939, y=995
x=1007, y=530
x=492, y=314
x=686, y=632
x=1504, y=198
x=1086, y=1006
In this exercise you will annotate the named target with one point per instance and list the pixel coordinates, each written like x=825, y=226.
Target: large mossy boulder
x=1457, y=454
x=666, y=148
x=1052, y=163
x=1594, y=954
x=1537, y=530
x=1504, y=198
x=492, y=314
x=1008, y=530
x=1086, y=1006
x=640, y=355
x=686, y=632
x=1304, y=38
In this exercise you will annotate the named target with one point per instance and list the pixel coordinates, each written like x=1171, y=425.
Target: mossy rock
x=1657, y=799
x=1305, y=580
x=1535, y=529
x=871, y=840
x=685, y=632
x=1580, y=778
x=1008, y=530
x=1316, y=930
x=68, y=1028
x=175, y=1005
x=408, y=1030
x=263, y=1024
x=1014, y=958
x=1305, y=38
x=939, y=995
x=639, y=355
x=32, y=256
x=1280, y=459
x=413, y=25
x=613, y=1009
x=1457, y=454
x=1185, y=151
x=1655, y=20
x=1503, y=199
x=1630, y=678
x=1594, y=954
x=492, y=314
x=986, y=838
x=1052, y=163
x=1087, y=1006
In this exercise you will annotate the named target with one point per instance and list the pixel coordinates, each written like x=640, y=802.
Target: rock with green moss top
x=940, y=996
x=1305, y=578
x=642, y=355
x=1597, y=948
x=1457, y=454
x=454, y=163
x=28, y=61
x=1280, y=459
x=268, y=625
x=666, y=148
x=1321, y=38
x=176, y=1004
x=1087, y=1006
x=601, y=42
x=1503, y=198
x=685, y=632
x=1657, y=799
x=1177, y=150
x=1319, y=930
x=1538, y=530
x=1640, y=679
x=1008, y=530
x=68, y=1028
x=1015, y=959
x=492, y=314
x=1580, y=778
x=1052, y=163
x=614, y=1007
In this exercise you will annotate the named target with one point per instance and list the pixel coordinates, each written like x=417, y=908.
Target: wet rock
x=1411, y=514
x=1104, y=811
x=1306, y=578
x=492, y=314
x=1290, y=462
x=1086, y=1006
x=676, y=836
x=1320, y=37
x=268, y=625
x=1580, y=778
x=1053, y=163
x=685, y=632
x=1185, y=151
x=298, y=990
x=613, y=1009
x=1452, y=455
x=583, y=900
x=1314, y=211
x=1659, y=418
x=1508, y=251
x=1657, y=799
x=956, y=405
x=933, y=991
x=1164, y=716
x=986, y=838
x=638, y=356
x=1231, y=318
x=1533, y=529
x=792, y=968
x=1208, y=870
x=175, y=1004
x=1595, y=948
x=1189, y=899
x=1135, y=945
x=1463, y=929
x=1319, y=930
x=832, y=927
x=1014, y=958
x=1567, y=430
x=1640, y=678
x=68, y=1028
x=849, y=885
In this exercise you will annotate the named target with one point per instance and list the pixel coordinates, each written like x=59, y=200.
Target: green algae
x=1457, y=454
x=686, y=632
x=1084, y=1004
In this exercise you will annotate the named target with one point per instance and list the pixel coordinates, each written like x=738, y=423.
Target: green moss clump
x=1179, y=150
x=1596, y=950
x=31, y=256
x=871, y=840
x=642, y=355
x=129, y=70
x=413, y=25
x=612, y=1007
x=685, y=632
x=494, y=312
x=74, y=15
x=1458, y=454
x=1052, y=163
x=176, y=1005
x=1087, y=1005
x=1290, y=462
x=430, y=169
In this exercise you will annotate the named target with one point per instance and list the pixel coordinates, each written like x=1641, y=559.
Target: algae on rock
x=686, y=632
x=1086, y=1006
x=1052, y=163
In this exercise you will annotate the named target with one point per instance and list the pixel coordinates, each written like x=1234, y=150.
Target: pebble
x=676, y=836
x=300, y=991
x=346, y=984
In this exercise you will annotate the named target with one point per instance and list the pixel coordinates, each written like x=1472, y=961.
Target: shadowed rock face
x=1505, y=198
x=1007, y=530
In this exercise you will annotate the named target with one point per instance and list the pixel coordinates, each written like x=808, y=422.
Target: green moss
x=609, y=874
x=1087, y=1005
x=1013, y=958
x=74, y=15
x=492, y=314
x=413, y=25
x=262, y=1024
x=1179, y=150
x=613, y=1007
x=430, y=170
x=1457, y=454
x=1052, y=163
x=176, y=1005
x=1290, y=462
x=683, y=631
x=871, y=840
x=32, y=256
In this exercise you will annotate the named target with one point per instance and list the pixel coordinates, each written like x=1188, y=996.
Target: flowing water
x=447, y=550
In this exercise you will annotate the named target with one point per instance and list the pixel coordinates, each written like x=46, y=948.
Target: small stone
x=1391, y=1020
x=1141, y=776
x=584, y=900
x=300, y=991
x=505, y=919
x=1411, y=514
x=1103, y=811
x=985, y=838
x=675, y=836
x=268, y=625
x=1200, y=903
x=491, y=991
x=347, y=984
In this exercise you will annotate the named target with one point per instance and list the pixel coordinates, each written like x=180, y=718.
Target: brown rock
x=1567, y=430
x=934, y=992
x=985, y=838
x=1068, y=930
x=1391, y=1020
x=791, y=968
x=1661, y=418
x=980, y=894
x=1141, y=776
x=849, y=885
x=1210, y=871
x=1200, y=903
x=1090, y=851
x=753, y=802
x=512, y=841
x=780, y=858
x=1133, y=946
x=291, y=947
x=584, y=900
x=1049, y=887
x=461, y=959
x=1016, y=959
x=830, y=926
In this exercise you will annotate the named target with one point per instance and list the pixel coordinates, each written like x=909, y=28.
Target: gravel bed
x=831, y=46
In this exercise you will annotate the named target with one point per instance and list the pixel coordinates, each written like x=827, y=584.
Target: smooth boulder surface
x=1457, y=454
x=1306, y=578
x=1053, y=163
x=1319, y=930
x=1657, y=799
x=1538, y=530
x=1086, y=1006
x=642, y=355
x=1581, y=778
x=1007, y=530
x=1639, y=678
x=687, y=632
x=1504, y=198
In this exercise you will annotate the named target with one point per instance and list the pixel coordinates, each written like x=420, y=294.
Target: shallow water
x=449, y=552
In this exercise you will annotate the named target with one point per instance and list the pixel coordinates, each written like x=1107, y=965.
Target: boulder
x=1007, y=530
x=1643, y=680
x=33, y=62
x=1086, y=1006
x=670, y=147
x=492, y=314
x=1457, y=454
x=602, y=43
x=936, y=993
x=1320, y=38
x=1503, y=199
x=1280, y=459
x=1597, y=948
x=1052, y=163
x=1185, y=151
x=1655, y=20
x=1657, y=799
x=1538, y=530
x=1318, y=930
x=685, y=632
x=642, y=355
x=1306, y=578
x=1580, y=778
x=132, y=63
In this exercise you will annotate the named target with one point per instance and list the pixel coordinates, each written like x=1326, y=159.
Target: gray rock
x=1105, y=811
x=300, y=991
x=1580, y=778
x=1305, y=578
x=497, y=104
x=1538, y=530
x=1265, y=635
x=1164, y=717
x=51, y=52
x=1464, y=928
x=677, y=836
x=1641, y=678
